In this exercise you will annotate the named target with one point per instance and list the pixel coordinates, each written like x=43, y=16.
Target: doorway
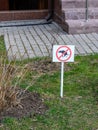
x=28, y=4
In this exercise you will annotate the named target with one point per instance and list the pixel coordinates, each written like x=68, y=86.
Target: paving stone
x=37, y=41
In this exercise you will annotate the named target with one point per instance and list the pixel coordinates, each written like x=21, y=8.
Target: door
x=43, y=4
x=4, y=5
x=28, y=4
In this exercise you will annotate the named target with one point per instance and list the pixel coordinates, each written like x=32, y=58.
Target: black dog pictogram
x=64, y=53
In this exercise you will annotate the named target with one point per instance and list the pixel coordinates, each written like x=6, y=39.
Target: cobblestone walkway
x=36, y=41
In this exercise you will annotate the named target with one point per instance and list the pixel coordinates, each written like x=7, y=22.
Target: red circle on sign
x=67, y=49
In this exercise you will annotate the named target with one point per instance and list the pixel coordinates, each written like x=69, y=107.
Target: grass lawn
x=2, y=46
x=78, y=110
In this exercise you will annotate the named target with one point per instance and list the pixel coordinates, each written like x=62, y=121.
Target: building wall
x=59, y=15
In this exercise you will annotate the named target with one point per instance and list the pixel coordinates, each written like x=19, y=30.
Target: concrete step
x=82, y=26
x=78, y=3
x=79, y=13
x=74, y=12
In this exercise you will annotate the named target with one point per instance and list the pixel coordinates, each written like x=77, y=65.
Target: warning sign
x=63, y=53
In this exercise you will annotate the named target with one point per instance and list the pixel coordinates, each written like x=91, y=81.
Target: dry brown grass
x=9, y=93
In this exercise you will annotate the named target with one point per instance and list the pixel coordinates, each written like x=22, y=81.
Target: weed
x=10, y=76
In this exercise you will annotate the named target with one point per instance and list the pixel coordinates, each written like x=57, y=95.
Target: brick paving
x=37, y=40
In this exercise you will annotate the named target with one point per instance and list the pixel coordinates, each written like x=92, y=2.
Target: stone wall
x=59, y=15
x=71, y=14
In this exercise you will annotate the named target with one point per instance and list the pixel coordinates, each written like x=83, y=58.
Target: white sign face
x=63, y=53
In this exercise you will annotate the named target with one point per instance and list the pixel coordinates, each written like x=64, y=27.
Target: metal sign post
x=86, y=10
x=62, y=79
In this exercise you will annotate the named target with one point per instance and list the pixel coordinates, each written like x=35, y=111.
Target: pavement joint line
x=42, y=37
x=37, y=42
x=23, y=45
x=29, y=42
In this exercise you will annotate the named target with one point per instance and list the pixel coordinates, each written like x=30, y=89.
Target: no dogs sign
x=63, y=53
